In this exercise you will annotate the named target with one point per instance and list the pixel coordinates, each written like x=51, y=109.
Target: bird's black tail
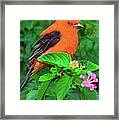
x=27, y=77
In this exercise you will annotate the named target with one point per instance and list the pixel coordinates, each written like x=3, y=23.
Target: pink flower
x=90, y=81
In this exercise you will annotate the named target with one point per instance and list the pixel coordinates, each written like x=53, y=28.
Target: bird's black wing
x=45, y=42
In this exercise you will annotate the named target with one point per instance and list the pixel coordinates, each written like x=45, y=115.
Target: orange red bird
x=61, y=36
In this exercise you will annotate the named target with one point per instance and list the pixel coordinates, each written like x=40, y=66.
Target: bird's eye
x=68, y=22
x=75, y=23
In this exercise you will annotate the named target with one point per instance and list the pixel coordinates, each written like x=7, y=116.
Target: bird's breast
x=68, y=43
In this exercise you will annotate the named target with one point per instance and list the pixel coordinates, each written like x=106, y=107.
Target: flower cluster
x=74, y=64
x=89, y=82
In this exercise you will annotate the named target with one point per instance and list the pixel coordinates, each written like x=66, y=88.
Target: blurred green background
x=29, y=33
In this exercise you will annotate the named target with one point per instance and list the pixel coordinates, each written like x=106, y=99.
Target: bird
x=60, y=36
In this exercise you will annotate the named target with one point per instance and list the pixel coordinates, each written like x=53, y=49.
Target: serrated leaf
x=57, y=58
x=47, y=77
x=42, y=89
x=32, y=95
x=62, y=86
x=91, y=66
x=87, y=94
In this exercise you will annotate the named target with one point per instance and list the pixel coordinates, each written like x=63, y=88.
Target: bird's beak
x=78, y=26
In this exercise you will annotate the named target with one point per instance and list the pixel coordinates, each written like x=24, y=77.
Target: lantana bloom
x=74, y=64
x=89, y=82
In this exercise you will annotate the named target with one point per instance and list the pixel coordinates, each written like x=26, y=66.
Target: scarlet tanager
x=61, y=36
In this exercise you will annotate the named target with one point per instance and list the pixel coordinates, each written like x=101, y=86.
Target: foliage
x=89, y=41
x=61, y=59
x=60, y=81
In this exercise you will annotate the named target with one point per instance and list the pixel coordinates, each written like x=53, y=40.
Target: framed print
x=59, y=60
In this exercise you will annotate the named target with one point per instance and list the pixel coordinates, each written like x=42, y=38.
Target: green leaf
x=32, y=95
x=73, y=95
x=89, y=41
x=24, y=93
x=37, y=30
x=47, y=77
x=28, y=24
x=57, y=58
x=79, y=71
x=30, y=86
x=40, y=73
x=50, y=93
x=42, y=89
x=87, y=94
x=62, y=86
x=91, y=66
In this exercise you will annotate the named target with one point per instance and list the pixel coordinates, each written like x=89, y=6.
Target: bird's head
x=75, y=23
